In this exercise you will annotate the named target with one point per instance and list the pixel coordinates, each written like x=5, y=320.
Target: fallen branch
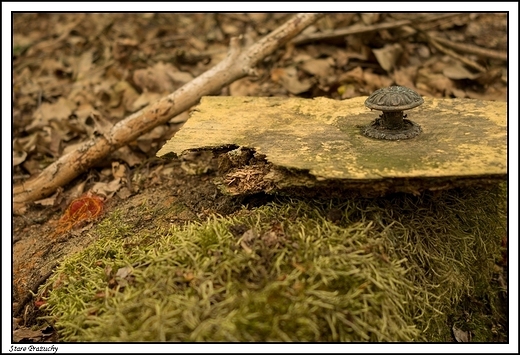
x=471, y=49
x=461, y=58
x=237, y=64
x=358, y=29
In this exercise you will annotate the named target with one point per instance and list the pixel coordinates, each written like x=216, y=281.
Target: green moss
x=391, y=269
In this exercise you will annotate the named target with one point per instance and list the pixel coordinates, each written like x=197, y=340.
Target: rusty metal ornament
x=392, y=124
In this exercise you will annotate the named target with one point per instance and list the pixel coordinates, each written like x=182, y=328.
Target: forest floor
x=74, y=72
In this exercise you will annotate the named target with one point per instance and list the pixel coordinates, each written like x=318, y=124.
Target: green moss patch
x=400, y=268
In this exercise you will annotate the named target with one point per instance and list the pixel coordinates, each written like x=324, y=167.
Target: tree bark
x=237, y=64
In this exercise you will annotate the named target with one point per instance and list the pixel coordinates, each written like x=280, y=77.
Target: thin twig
x=358, y=29
x=455, y=55
x=471, y=49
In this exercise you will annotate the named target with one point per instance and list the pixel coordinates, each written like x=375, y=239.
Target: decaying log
x=238, y=63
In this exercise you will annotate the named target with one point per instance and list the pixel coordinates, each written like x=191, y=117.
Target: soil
x=69, y=69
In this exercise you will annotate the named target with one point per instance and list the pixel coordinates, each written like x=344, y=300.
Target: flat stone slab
x=461, y=138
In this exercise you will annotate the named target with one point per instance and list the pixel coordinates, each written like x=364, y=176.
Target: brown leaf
x=490, y=77
x=180, y=77
x=270, y=238
x=461, y=336
x=319, y=67
x=491, y=94
x=458, y=72
x=375, y=81
x=107, y=189
x=249, y=236
x=458, y=93
x=405, y=76
x=288, y=77
x=54, y=200
x=19, y=157
x=119, y=171
x=183, y=117
x=83, y=65
x=125, y=94
x=123, y=47
x=244, y=87
x=124, y=193
x=124, y=272
x=369, y=18
x=144, y=99
x=160, y=78
x=26, y=334
x=347, y=91
x=59, y=110
x=128, y=156
x=388, y=55
x=355, y=75
x=51, y=66
x=427, y=80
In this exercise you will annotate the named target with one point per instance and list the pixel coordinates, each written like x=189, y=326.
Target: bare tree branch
x=237, y=64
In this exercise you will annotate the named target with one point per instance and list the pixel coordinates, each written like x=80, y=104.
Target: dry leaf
x=491, y=94
x=458, y=93
x=19, y=157
x=83, y=65
x=54, y=200
x=107, y=189
x=128, y=156
x=144, y=99
x=374, y=81
x=26, y=334
x=426, y=80
x=302, y=57
x=490, y=77
x=84, y=111
x=369, y=18
x=405, y=76
x=123, y=47
x=388, y=55
x=288, y=77
x=52, y=66
x=101, y=124
x=355, y=75
x=458, y=72
x=118, y=170
x=161, y=78
x=154, y=79
x=124, y=276
x=319, y=67
x=183, y=117
x=59, y=110
x=244, y=87
x=249, y=236
x=461, y=336
x=180, y=76
x=124, y=272
x=347, y=91
x=270, y=238
x=124, y=193
x=124, y=94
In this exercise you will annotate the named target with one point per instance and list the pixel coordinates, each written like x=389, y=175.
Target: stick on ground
x=238, y=63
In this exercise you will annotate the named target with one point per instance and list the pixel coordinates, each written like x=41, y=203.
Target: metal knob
x=392, y=123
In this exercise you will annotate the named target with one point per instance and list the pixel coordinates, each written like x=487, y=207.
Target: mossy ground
x=399, y=268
